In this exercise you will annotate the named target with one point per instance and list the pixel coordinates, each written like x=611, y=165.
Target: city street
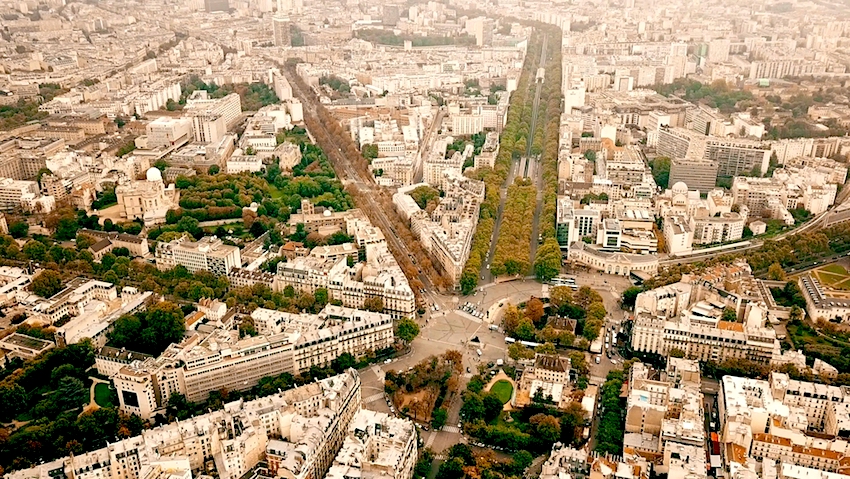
x=450, y=328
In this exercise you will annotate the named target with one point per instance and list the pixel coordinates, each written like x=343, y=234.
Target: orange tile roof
x=730, y=326
x=780, y=441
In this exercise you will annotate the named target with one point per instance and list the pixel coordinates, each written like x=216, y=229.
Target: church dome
x=154, y=174
x=680, y=187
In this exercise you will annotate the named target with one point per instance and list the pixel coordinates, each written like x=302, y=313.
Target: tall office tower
x=216, y=5
x=282, y=34
x=284, y=7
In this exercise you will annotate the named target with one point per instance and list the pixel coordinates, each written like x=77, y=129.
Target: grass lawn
x=835, y=269
x=503, y=390
x=843, y=285
x=829, y=278
x=274, y=192
x=103, y=396
x=834, y=275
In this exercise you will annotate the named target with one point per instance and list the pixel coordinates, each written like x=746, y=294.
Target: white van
x=478, y=351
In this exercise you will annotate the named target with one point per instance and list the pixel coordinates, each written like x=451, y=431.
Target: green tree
x=71, y=393
x=370, y=151
x=729, y=314
x=425, y=195
x=84, y=241
x=13, y=401
x=560, y=296
x=179, y=407
x=321, y=296
x=473, y=408
x=611, y=425
x=35, y=250
x=545, y=348
x=406, y=329
x=438, y=418
x=521, y=461
x=775, y=272
x=492, y=406
x=463, y=452
x=344, y=362
x=518, y=351
x=526, y=331
x=151, y=331
x=19, y=229
x=796, y=314
x=676, y=353
x=375, y=304
x=630, y=296
x=452, y=469
x=547, y=261
x=661, y=171
x=67, y=227
x=46, y=283
x=111, y=277
x=213, y=170
x=546, y=428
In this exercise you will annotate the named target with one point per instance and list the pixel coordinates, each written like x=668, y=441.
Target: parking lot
x=472, y=309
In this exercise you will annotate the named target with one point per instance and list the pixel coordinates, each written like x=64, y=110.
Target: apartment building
x=565, y=461
x=73, y=298
x=665, y=418
x=822, y=303
x=288, y=343
x=229, y=107
x=207, y=127
x=376, y=445
x=96, y=321
x=489, y=151
x=678, y=235
x=376, y=275
x=733, y=156
x=784, y=68
x=239, y=163
x=718, y=229
x=21, y=346
x=786, y=190
x=697, y=173
x=394, y=170
x=380, y=277
x=241, y=277
x=446, y=233
x=700, y=334
x=574, y=224
x=437, y=168
x=786, y=421
x=685, y=317
x=168, y=132
x=297, y=432
x=12, y=192
x=206, y=254
x=680, y=143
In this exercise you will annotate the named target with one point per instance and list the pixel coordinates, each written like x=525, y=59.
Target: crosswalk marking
x=373, y=398
x=453, y=429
